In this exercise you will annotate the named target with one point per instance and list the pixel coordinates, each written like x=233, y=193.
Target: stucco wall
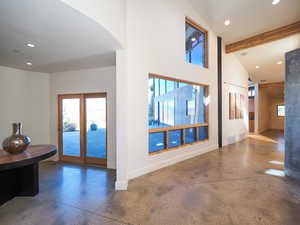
x=24, y=97
x=97, y=80
x=235, y=80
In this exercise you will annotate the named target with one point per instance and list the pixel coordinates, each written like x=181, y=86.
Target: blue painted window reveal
x=174, y=138
x=156, y=142
x=190, y=135
x=203, y=133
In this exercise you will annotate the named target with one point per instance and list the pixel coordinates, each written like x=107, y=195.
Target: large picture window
x=177, y=113
x=196, y=44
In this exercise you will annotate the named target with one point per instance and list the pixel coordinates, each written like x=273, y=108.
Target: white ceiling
x=64, y=38
x=248, y=17
x=266, y=57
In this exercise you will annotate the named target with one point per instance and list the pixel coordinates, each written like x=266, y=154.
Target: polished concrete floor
x=243, y=184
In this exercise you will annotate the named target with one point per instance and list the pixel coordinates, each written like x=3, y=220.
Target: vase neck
x=17, y=128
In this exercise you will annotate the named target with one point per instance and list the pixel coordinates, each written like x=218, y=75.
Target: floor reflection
x=271, y=136
x=78, y=185
x=276, y=162
x=273, y=172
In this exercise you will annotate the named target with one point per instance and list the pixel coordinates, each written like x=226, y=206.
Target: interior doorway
x=82, y=128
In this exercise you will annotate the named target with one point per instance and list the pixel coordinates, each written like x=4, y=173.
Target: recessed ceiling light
x=275, y=2
x=257, y=67
x=193, y=39
x=227, y=22
x=30, y=45
x=279, y=62
x=29, y=64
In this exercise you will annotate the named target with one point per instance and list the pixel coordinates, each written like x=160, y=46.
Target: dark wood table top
x=33, y=154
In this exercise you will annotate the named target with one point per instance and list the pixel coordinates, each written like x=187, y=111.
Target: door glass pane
x=71, y=126
x=96, y=127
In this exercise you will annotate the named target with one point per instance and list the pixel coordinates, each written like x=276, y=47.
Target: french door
x=82, y=130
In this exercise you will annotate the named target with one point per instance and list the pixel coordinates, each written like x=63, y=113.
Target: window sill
x=178, y=147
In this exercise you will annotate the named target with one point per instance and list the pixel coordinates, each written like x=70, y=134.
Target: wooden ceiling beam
x=273, y=35
x=272, y=85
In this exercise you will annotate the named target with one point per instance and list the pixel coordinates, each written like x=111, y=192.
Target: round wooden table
x=19, y=173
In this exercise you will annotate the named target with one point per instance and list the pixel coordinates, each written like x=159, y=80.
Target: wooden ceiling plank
x=269, y=36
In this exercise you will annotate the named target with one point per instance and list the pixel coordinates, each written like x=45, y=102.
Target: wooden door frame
x=94, y=160
x=82, y=159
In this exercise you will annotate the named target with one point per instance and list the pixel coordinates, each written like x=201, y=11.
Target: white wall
x=276, y=122
x=24, y=97
x=97, y=80
x=109, y=14
x=156, y=44
x=235, y=79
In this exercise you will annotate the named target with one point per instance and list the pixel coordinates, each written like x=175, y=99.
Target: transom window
x=196, y=44
x=177, y=113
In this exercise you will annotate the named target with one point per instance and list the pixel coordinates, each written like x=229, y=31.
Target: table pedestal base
x=22, y=181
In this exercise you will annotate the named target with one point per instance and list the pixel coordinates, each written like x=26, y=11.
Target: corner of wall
x=121, y=185
x=168, y=162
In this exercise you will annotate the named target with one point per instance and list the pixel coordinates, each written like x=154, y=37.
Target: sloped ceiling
x=248, y=18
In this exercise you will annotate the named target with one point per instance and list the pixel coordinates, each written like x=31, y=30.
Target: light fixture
x=257, y=67
x=227, y=22
x=193, y=39
x=279, y=62
x=275, y=2
x=30, y=45
x=29, y=64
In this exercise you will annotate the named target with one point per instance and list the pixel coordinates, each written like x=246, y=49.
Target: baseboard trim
x=171, y=161
x=239, y=139
x=121, y=185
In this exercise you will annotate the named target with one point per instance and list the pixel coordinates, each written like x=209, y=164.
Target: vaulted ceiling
x=249, y=18
x=266, y=63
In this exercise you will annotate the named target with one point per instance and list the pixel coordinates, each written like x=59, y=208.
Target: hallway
x=242, y=184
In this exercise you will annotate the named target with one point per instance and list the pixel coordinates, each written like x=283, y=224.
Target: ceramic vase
x=17, y=142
